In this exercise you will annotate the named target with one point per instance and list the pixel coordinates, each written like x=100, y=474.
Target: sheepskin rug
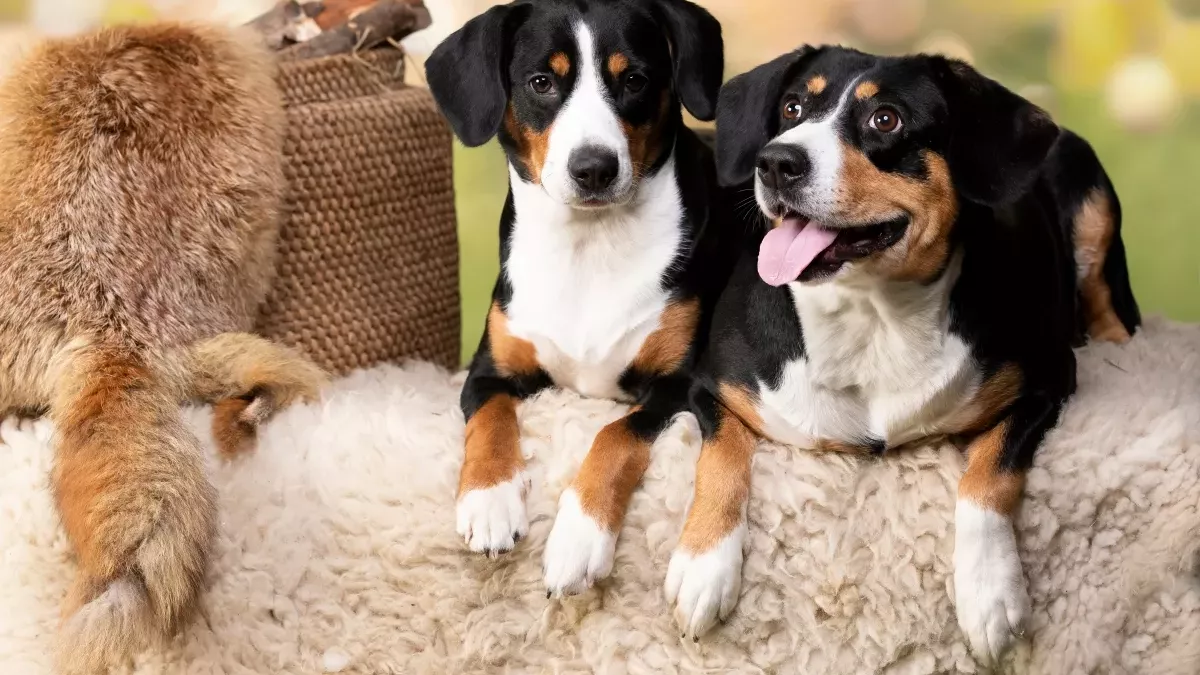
x=338, y=551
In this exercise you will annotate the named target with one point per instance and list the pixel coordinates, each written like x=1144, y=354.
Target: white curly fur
x=338, y=546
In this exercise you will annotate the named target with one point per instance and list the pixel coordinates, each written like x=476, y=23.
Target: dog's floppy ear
x=699, y=53
x=467, y=73
x=748, y=115
x=999, y=139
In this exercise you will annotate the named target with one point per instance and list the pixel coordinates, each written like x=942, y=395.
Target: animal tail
x=1108, y=310
x=247, y=379
x=130, y=483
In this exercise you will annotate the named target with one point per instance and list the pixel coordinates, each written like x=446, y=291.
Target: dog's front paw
x=579, y=551
x=989, y=587
x=704, y=587
x=492, y=520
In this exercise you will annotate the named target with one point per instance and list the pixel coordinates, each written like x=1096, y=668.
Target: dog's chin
x=592, y=204
x=600, y=202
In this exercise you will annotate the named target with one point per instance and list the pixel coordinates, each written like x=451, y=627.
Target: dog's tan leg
x=130, y=486
x=492, y=483
x=592, y=509
x=705, y=574
x=990, y=590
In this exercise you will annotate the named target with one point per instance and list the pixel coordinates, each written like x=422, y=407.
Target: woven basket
x=368, y=252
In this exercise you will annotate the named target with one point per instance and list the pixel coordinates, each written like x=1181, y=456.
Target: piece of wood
x=338, y=12
x=280, y=26
x=385, y=20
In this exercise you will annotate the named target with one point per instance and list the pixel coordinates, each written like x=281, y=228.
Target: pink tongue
x=788, y=249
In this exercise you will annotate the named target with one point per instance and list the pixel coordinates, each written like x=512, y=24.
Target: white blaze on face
x=587, y=119
x=820, y=139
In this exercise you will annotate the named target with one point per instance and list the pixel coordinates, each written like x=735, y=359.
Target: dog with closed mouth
x=608, y=247
x=938, y=247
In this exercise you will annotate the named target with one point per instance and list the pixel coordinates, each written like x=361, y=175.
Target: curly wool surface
x=338, y=551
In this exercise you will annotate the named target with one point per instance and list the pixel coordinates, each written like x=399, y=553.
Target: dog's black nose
x=594, y=169
x=782, y=165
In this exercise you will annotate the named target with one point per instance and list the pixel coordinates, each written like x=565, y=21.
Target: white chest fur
x=587, y=286
x=881, y=364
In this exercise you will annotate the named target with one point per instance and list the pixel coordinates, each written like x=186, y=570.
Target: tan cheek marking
x=722, y=485
x=617, y=63
x=645, y=141
x=532, y=146
x=984, y=483
x=743, y=404
x=493, y=446
x=868, y=195
x=560, y=63
x=994, y=397
x=512, y=355
x=665, y=349
x=610, y=473
x=1094, y=232
x=639, y=144
x=865, y=90
x=817, y=84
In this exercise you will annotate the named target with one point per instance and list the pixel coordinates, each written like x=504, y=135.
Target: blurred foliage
x=11, y=10
x=129, y=11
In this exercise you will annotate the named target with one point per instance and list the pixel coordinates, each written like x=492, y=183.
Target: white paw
x=989, y=587
x=704, y=587
x=579, y=551
x=493, y=520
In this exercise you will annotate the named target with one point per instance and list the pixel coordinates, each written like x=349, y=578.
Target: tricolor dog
x=938, y=247
x=607, y=246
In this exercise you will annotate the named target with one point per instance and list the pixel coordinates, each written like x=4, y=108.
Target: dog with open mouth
x=938, y=247
x=610, y=259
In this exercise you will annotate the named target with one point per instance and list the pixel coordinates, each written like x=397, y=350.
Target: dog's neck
x=588, y=285
x=860, y=312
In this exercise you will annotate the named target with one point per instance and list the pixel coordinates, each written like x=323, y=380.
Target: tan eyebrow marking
x=817, y=84
x=617, y=63
x=560, y=63
x=866, y=90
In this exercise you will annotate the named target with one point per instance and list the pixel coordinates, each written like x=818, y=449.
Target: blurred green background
x=1123, y=73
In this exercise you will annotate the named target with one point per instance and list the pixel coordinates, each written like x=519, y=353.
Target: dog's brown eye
x=792, y=108
x=886, y=120
x=541, y=84
x=635, y=83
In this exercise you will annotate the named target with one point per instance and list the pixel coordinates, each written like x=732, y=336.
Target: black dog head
x=584, y=94
x=865, y=160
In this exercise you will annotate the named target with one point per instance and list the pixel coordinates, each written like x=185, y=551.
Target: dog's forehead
x=614, y=26
x=826, y=78
x=828, y=72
